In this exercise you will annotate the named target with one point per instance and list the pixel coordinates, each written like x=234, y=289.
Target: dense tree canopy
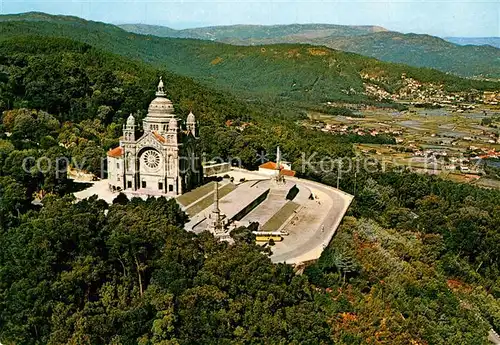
x=130, y=274
x=415, y=262
x=87, y=110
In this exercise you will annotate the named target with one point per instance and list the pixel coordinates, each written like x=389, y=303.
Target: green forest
x=414, y=261
x=293, y=75
x=478, y=60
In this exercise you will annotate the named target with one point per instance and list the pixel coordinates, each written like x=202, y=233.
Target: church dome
x=191, y=118
x=160, y=106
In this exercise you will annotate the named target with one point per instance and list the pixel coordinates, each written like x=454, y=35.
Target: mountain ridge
x=302, y=75
x=420, y=50
x=260, y=31
x=477, y=41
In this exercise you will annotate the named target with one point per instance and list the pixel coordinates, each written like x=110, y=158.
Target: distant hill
x=45, y=17
x=249, y=32
x=155, y=30
x=71, y=80
x=302, y=74
x=377, y=42
x=477, y=41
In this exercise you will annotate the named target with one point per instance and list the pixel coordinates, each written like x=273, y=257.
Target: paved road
x=315, y=234
x=317, y=222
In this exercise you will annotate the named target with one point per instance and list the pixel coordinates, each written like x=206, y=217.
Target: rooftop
x=269, y=165
x=116, y=152
x=273, y=166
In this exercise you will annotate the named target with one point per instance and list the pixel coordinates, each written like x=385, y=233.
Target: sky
x=442, y=18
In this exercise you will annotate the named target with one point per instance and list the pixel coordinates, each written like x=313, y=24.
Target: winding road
x=311, y=229
x=317, y=222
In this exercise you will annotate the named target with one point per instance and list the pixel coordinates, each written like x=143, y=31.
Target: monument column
x=216, y=225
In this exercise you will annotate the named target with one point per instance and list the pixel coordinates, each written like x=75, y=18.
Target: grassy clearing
x=488, y=183
x=208, y=199
x=280, y=217
x=457, y=178
x=190, y=197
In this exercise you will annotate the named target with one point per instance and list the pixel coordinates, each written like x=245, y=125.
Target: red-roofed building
x=271, y=168
x=116, y=152
x=286, y=172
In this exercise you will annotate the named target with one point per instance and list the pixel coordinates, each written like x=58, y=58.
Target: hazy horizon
x=443, y=18
x=318, y=23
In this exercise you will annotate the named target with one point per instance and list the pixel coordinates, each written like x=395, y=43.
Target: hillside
x=477, y=41
x=424, y=51
x=415, y=262
x=250, y=32
x=106, y=88
x=411, y=49
x=33, y=71
x=298, y=75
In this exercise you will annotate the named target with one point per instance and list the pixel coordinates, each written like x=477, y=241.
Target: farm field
x=438, y=141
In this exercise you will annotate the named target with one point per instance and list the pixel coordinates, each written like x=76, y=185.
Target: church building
x=163, y=161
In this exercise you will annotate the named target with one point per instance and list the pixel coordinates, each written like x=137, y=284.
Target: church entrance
x=151, y=171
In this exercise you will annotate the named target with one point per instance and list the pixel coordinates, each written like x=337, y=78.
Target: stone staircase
x=275, y=200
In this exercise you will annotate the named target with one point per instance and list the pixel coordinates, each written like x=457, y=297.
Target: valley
x=450, y=142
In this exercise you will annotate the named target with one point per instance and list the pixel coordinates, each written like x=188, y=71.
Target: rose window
x=151, y=159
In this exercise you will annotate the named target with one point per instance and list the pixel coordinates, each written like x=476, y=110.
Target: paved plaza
x=310, y=220
x=313, y=224
x=101, y=189
x=231, y=204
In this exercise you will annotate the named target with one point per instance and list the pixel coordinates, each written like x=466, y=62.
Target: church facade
x=163, y=160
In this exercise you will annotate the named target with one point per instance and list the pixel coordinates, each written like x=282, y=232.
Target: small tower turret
x=129, y=129
x=172, y=125
x=191, y=123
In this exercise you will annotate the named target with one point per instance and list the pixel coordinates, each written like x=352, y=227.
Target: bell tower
x=191, y=124
x=129, y=129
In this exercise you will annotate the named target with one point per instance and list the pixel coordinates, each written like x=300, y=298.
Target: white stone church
x=163, y=161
